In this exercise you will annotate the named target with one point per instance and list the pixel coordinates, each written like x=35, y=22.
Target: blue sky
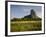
x=19, y=11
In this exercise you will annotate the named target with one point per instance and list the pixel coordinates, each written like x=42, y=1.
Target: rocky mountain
x=31, y=15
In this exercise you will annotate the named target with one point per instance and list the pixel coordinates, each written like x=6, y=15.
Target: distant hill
x=31, y=16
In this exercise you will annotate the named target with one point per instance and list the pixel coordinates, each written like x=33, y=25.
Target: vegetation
x=19, y=26
x=26, y=19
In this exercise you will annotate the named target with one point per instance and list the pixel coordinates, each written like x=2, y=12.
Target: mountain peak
x=31, y=15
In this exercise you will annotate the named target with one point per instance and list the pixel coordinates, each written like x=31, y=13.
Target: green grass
x=19, y=26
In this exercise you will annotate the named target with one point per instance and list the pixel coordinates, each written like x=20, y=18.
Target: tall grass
x=18, y=27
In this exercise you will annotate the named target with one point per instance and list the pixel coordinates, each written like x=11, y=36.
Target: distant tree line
x=26, y=19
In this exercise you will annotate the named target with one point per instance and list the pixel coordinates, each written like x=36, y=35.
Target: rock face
x=31, y=15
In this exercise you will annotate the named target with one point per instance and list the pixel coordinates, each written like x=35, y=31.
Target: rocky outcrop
x=31, y=15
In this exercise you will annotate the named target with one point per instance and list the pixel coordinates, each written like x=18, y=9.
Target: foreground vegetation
x=18, y=26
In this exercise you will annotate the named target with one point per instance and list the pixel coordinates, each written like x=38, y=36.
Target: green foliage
x=26, y=19
x=18, y=27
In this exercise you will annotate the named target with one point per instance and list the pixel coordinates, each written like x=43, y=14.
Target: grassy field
x=19, y=26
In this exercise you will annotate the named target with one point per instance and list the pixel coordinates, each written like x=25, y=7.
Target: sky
x=19, y=11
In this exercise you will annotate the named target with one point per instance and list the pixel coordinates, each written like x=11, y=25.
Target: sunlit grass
x=18, y=26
